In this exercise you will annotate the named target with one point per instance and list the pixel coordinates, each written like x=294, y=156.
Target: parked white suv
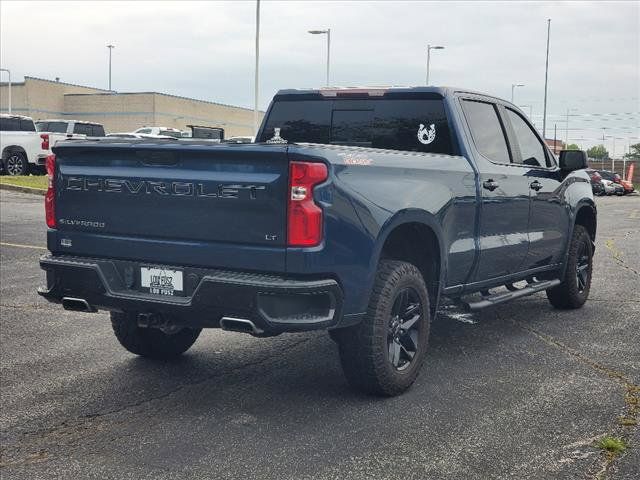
x=20, y=144
x=71, y=128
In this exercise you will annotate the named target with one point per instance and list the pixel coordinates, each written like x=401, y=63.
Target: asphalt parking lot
x=520, y=391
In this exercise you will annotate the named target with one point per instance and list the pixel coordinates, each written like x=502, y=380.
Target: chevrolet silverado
x=357, y=210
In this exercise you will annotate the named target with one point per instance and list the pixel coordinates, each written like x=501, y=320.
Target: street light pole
x=9, y=74
x=328, y=33
x=513, y=86
x=256, y=76
x=429, y=48
x=546, y=77
x=110, y=47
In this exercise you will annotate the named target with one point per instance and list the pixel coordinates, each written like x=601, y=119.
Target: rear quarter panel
x=371, y=192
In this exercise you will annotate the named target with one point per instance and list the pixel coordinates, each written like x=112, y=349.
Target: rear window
x=52, y=127
x=89, y=129
x=16, y=125
x=408, y=124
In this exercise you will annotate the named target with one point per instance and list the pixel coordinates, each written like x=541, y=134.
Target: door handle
x=490, y=185
x=535, y=185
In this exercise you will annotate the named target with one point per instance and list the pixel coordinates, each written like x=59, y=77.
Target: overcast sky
x=205, y=50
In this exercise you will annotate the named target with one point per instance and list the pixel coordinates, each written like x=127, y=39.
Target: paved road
x=522, y=392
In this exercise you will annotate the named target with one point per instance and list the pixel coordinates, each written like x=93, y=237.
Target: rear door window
x=407, y=124
x=531, y=149
x=486, y=130
x=10, y=124
x=27, y=126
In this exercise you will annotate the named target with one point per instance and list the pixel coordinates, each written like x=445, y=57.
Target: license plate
x=161, y=281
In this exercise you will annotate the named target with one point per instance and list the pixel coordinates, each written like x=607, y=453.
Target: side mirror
x=571, y=160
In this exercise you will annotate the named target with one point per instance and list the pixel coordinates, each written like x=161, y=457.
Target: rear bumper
x=273, y=303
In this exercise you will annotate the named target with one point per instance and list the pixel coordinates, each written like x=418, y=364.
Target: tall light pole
x=322, y=32
x=110, y=47
x=513, y=87
x=546, y=78
x=8, y=73
x=429, y=48
x=256, y=75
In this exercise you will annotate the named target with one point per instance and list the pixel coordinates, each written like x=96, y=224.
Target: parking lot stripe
x=35, y=247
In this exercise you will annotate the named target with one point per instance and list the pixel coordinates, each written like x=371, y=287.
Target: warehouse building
x=121, y=112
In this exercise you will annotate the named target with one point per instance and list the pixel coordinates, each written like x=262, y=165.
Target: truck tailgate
x=172, y=203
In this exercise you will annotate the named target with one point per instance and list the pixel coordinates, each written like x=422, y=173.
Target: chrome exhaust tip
x=77, y=305
x=241, y=325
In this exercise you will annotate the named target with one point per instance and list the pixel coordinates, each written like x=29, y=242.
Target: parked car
x=597, y=187
x=71, y=128
x=20, y=144
x=52, y=131
x=618, y=189
x=165, y=131
x=609, y=187
x=331, y=221
x=627, y=186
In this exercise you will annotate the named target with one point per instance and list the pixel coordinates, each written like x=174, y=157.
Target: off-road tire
x=569, y=294
x=15, y=163
x=364, y=351
x=151, y=342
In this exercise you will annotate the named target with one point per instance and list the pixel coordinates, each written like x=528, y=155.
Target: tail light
x=49, y=199
x=45, y=141
x=304, y=228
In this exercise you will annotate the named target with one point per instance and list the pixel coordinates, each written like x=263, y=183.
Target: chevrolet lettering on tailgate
x=180, y=189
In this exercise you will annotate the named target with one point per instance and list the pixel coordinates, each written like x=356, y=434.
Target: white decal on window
x=427, y=136
x=276, y=137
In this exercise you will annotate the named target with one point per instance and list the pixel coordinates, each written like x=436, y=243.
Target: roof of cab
x=11, y=115
x=375, y=90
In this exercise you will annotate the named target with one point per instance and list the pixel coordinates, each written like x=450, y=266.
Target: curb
x=16, y=188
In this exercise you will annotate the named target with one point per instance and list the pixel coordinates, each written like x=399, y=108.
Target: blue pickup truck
x=356, y=211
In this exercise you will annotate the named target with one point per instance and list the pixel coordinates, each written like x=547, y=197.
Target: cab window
x=486, y=130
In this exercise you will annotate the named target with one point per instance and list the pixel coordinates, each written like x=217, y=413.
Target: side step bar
x=496, y=298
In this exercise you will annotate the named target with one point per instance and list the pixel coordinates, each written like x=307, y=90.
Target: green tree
x=572, y=146
x=634, y=152
x=598, y=152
